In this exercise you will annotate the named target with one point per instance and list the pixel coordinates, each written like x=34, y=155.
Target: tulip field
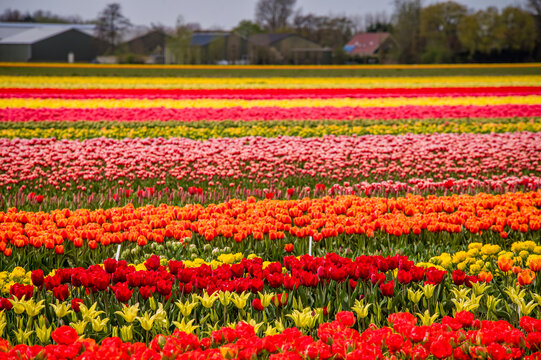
x=270, y=213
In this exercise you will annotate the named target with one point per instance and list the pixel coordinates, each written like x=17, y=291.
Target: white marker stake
x=310, y=247
x=117, y=252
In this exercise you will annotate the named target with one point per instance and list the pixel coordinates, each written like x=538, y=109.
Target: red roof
x=366, y=43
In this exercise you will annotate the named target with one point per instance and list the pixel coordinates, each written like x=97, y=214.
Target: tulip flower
x=79, y=326
x=288, y=248
x=525, y=277
x=126, y=333
x=207, y=300
x=60, y=309
x=505, y=263
x=186, y=327
x=99, y=324
x=43, y=332
x=187, y=307
x=147, y=321
x=240, y=300
x=427, y=319
x=129, y=313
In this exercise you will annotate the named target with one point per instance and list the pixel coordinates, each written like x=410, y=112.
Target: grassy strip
x=204, y=130
x=264, y=72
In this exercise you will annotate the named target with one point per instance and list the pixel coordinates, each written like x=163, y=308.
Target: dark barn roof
x=203, y=39
x=267, y=39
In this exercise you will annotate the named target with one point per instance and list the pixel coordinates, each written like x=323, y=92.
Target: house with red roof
x=372, y=47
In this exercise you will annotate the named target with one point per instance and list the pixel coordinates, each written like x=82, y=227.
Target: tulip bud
x=126, y=333
x=153, y=305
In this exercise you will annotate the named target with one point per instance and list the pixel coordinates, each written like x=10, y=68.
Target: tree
x=246, y=28
x=482, y=32
x=535, y=7
x=328, y=31
x=10, y=15
x=438, y=31
x=273, y=15
x=39, y=16
x=180, y=43
x=520, y=29
x=111, y=25
x=378, y=22
x=406, y=30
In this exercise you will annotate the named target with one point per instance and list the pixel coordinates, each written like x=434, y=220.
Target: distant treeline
x=449, y=32
x=445, y=32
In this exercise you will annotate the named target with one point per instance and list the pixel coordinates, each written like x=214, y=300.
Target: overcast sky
x=223, y=14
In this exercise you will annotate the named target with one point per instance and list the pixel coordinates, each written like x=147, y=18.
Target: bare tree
x=535, y=6
x=111, y=25
x=13, y=16
x=39, y=16
x=329, y=31
x=273, y=14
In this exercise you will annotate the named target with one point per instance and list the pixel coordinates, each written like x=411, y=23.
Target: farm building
x=286, y=49
x=150, y=46
x=47, y=42
x=208, y=48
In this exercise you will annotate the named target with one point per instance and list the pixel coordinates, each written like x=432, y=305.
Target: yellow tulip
x=89, y=313
x=3, y=322
x=360, y=309
x=427, y=319
x=126, y=333
x=79, y=326
x=32, y=308
x=129, y=314
x=60, y=309
x=415, y=296
x=240, y=300
x=186, y=327
x=266, y=298
x=207, y=300
x=428, y=290
x=42, y=331
x=186, y=307
x=224, y=297
x=18, y=305
x=98, y=324
x=147, y=321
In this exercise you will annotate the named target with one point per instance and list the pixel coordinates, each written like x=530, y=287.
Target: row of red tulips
x=267, y=113
x=247, y=275
x=459, y=337
x=266, y=93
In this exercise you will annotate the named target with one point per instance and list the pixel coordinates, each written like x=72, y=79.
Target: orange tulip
x=505, y=263
x=485, y=276
x=288, y=248
x=525, y=277
x=59, y=249
x=535, y=265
